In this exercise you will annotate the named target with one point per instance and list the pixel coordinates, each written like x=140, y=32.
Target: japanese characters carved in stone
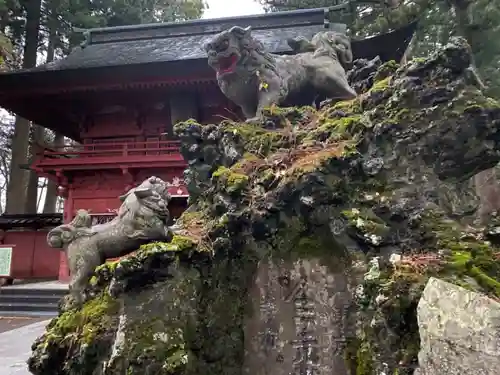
x=255, y=79
x=142, y=218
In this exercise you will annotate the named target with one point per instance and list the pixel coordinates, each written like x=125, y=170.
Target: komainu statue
x=255, y=79
x=142, y=217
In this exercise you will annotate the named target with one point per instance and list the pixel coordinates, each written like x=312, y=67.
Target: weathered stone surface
x=142, y=217
x=300, y=320
x=459, y=331
x=357, y=200
x=153, y=321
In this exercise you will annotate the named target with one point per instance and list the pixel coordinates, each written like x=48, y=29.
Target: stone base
x=299, y=323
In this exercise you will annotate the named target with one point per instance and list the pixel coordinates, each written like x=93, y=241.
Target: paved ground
x=18, y=333
x=20, y=284
x=15, y=347
x=10, y=323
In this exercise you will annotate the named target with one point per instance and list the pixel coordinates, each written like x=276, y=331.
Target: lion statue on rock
x=255, y=79
x=142, y=218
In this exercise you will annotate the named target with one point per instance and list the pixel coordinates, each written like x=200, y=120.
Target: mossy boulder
x=309, y=239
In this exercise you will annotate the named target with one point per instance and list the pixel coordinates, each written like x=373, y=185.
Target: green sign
x=5, y=260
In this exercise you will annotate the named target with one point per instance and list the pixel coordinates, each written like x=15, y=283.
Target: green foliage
x=60, y=17
x=365, y=19
x=282, y=5
x=477, y=20
x=87, y=14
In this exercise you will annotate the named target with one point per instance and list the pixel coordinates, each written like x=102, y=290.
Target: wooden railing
x=114, y=149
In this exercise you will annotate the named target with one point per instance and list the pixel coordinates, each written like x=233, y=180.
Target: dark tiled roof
x=187, y=47
x=180, y=41
x=183, y=41
x=167, y=47
x=34, y=221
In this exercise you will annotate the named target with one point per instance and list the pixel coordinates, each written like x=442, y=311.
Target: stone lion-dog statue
x=254, y=79
x=142, y=218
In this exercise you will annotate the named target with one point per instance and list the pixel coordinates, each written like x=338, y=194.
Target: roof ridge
x=204, y=21
x=295, y=18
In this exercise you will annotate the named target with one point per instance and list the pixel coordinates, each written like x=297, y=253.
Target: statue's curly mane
x=255, y=55
x=82, y=219
x=335, y=45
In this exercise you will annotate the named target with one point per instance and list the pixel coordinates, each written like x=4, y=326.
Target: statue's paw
x=168, y=234
x=176, y=228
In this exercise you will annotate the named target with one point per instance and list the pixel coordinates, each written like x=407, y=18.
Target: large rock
x=459, y=331
x=309, y=240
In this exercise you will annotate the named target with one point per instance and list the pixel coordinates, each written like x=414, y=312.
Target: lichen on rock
x=309, y=239
x=469, y=323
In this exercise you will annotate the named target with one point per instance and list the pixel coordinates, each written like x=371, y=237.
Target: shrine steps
x=30, y=302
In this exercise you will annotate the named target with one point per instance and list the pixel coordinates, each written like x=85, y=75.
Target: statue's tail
x=334, y=43
x=300, y=45
x=60, y=236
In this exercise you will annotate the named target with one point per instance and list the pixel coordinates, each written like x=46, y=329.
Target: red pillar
x=63, y=268
x=64, y=275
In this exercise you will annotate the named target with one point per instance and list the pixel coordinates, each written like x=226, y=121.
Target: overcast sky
x=228, y=8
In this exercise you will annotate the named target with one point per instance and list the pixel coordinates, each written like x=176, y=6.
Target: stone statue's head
x=152, y=193
x=231, y=48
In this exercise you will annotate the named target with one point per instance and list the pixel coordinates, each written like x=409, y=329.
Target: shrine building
x=120, y=93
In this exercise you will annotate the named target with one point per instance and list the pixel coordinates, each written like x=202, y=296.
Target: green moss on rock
x=336, y=129
x=77, y=340
x=367, y=223
x=466, y=255
x=385, y=70
x=390, y=301
x=331, y=185
x=232, y=182
x=157, y=348
x=88, y=322
x=381, y=85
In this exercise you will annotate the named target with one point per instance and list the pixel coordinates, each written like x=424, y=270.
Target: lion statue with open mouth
x=255, y=79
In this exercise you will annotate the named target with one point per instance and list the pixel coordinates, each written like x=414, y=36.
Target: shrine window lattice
x=102, y=218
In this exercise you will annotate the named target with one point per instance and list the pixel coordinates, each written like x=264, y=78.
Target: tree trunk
x=51, y=194
x=17, y=188
x=32, y=187
x=50, y=203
